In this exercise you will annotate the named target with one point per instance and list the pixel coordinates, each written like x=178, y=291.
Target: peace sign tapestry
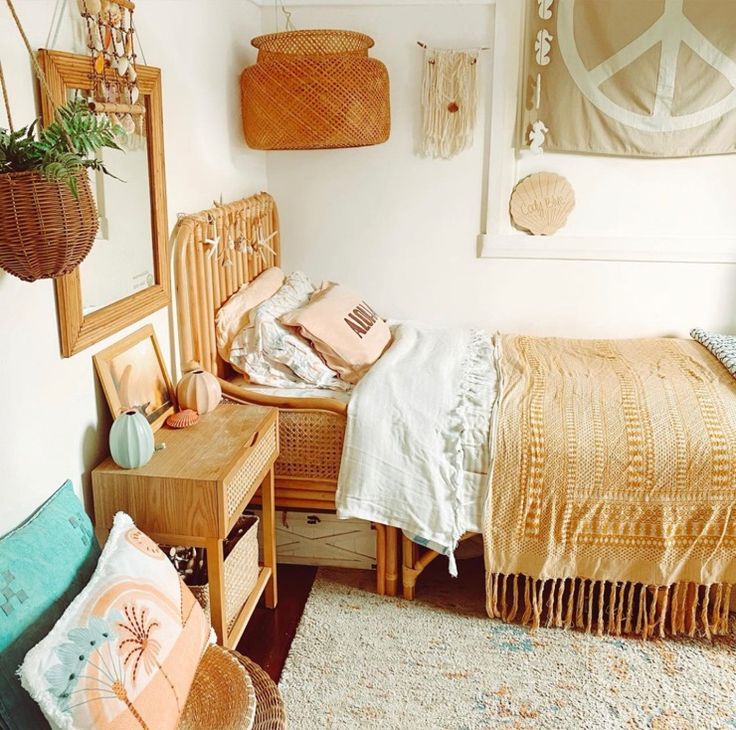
x=644, y=78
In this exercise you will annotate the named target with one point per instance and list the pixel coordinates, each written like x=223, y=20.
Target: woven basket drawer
x=243, y=479
x=241, y=575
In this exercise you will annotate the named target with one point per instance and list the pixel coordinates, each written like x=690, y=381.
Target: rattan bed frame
x=311, y=430
x=414, y=560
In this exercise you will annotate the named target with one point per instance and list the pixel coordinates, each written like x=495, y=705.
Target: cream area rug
x=364, y=661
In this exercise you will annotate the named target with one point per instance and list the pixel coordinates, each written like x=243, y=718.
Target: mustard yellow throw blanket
x=612, y=505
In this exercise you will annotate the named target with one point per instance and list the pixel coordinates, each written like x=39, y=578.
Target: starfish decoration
x=262, y=242
x=229, y=244
x=214, y=241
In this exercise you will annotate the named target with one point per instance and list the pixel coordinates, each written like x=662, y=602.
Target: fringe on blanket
x=604, y=607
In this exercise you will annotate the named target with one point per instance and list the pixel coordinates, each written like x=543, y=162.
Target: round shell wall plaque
x=541, y=203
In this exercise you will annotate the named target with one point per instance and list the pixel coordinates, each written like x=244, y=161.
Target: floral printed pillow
x=271, y=354
x=124, y=653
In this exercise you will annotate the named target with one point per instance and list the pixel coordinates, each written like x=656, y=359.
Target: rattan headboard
x=215, y=252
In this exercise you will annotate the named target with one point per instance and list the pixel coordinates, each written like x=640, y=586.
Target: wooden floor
x=269, y=633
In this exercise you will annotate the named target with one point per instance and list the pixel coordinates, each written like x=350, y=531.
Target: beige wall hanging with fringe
x=449, y=101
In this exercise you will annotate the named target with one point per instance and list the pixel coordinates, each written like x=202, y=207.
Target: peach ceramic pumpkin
x=198, y=390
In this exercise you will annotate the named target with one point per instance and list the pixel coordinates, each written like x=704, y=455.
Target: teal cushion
x=44, y=563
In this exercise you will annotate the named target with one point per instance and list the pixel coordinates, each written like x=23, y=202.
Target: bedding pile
x=416, y=450
x=272, y=354
x=281, y=332
x=613, y=492
x=601, y=473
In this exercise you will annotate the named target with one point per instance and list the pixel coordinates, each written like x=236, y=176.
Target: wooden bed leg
x=392, y=561
x=408, y=574
x=380, y=559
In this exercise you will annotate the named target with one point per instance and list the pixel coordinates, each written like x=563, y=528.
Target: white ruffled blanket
x=417, y=443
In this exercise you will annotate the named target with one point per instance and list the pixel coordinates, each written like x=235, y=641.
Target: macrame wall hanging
x=449, y=101
x=111, y=42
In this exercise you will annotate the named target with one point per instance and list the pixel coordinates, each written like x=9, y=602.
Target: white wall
x=402, y=230
x=55, y=420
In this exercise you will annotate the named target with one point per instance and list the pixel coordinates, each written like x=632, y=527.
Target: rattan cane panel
x=244, y=478
x=241, y=574
x=311, y=444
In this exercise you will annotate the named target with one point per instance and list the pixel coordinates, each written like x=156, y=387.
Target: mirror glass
x=125, y=276
x=121, y=262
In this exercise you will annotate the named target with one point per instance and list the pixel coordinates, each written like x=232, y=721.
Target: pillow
x=348, y=334
x=126, y=650
x=721, y=346
x=271, y=354
x=234, y=314
x=44, y=563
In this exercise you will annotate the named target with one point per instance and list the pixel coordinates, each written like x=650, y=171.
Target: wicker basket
x=45, y=231
x=270, y=712
x=222, y=694
x=241, y=573
x=315, y=89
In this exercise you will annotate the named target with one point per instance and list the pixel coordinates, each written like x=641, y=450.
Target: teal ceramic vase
x=131, y=440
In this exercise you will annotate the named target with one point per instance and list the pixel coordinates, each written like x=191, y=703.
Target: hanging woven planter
x=45, y=231
x=315, y=89
x=48, y=217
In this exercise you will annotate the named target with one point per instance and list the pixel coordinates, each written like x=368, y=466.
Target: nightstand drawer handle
x=254, y=440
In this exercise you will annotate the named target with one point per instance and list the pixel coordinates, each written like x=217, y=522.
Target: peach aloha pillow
x=345, y=331
x=234, y=315
x=124, y=653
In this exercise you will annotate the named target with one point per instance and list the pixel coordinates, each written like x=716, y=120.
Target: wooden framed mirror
x=126, y=275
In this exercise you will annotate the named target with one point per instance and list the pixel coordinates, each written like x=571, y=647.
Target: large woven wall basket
x=315, y=89
x=45, y=231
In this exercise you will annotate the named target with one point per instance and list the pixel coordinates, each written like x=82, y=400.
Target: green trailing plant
x=61, y=150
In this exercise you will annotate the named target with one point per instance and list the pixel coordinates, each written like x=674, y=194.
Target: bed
x=600, y=473
x=610, y=490
x=311, y=423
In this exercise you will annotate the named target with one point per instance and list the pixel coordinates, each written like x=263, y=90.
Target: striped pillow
x=722, y=346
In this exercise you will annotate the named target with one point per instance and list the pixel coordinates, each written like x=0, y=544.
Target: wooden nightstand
x=193, y=491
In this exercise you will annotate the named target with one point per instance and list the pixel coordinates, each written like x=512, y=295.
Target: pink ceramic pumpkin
x=198, y=390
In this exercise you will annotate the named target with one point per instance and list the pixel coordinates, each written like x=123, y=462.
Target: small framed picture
x=133, y=375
